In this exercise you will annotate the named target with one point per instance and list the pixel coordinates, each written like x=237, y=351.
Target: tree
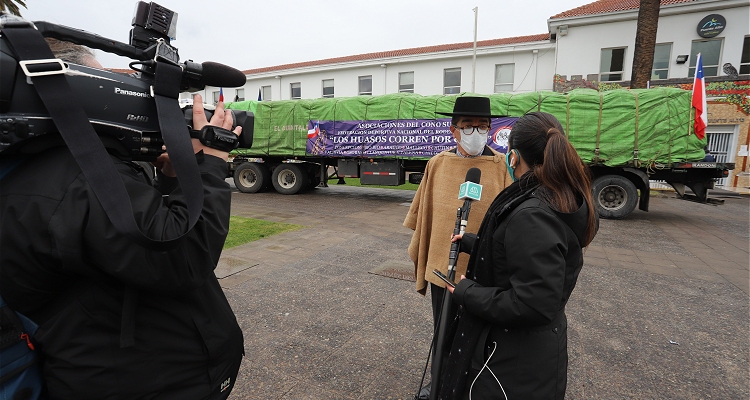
x=11, y=6
x=645, y=41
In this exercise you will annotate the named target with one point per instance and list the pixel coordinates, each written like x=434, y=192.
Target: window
x=745, y=60
x=328, y=88
x=406, y=82
x=186, y=98
x=612, y=61
x=265, y=93
x=662, y=54
x=296, y=90
x=365, y=85
x=710, y=51
x=216, y=97
x=452, y=81
x=504, y=77
x=239, y=95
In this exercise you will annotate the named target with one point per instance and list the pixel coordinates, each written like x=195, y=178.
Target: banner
x=394, y=138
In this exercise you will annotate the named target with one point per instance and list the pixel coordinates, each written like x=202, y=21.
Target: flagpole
x=474, y=59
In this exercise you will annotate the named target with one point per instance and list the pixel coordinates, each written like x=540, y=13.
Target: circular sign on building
x=711, y=26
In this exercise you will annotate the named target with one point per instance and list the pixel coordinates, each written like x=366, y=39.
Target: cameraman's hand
x=164, y=164
x=221, y=118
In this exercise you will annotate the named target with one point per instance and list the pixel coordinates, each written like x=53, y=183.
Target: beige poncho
x=432, y=214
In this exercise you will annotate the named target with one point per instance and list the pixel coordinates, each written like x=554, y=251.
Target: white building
x=593, y=42
x=585, y=46
x=424, y=70
x=597, y=40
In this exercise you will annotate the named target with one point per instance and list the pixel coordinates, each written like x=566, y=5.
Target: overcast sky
x=251, y=34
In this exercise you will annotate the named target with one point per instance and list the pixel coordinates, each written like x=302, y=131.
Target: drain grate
x=396, y=270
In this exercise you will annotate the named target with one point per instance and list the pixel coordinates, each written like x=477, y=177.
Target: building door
x=721, y=144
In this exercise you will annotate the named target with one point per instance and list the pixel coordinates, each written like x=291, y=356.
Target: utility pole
x=474, y=60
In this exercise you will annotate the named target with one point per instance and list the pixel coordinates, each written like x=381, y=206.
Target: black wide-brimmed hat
x=467, y=106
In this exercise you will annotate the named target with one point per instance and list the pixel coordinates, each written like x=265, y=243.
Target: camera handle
x=78, y=36
x=89, y=152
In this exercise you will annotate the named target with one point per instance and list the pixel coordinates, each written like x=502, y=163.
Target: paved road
x=660, y=311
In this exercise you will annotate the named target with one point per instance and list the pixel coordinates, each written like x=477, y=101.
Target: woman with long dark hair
x=511, y=337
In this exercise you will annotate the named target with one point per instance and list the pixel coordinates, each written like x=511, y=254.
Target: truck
x=628, y=138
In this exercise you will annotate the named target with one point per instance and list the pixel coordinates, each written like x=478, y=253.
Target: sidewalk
x=738, y=190
x=660, y=310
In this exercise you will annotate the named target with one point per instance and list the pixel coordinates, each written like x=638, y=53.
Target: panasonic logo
x=131, y=93
x=138, y=118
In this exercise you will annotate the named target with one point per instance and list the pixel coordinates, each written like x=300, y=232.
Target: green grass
x=355, y=182
x=245, y=230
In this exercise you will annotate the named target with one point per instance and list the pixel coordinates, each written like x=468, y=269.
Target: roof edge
x=404, y=52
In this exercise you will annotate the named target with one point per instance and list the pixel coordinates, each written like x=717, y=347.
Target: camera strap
x=47, y=75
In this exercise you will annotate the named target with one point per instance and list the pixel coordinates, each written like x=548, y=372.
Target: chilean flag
x=314, y=132
x=699, y=100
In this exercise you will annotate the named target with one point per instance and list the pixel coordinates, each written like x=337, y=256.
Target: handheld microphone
x=470, y=191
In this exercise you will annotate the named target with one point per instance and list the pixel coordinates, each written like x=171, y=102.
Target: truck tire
x=416, y=178
x=615, y=196
x=289, y=178
x=313, y=181
x=251, y=177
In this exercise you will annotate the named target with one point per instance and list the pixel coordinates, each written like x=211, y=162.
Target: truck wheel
x=416, y=178
x=313, y=181
x=251, y=177
x=614, y=196
x=289, y=178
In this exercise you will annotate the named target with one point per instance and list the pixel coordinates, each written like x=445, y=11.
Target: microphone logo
x=470, y=190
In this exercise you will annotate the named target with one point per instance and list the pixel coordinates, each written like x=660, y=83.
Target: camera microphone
x=220, y=75
x=209, y=73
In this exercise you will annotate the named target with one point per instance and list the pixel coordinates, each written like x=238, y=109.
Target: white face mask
x=473, y=144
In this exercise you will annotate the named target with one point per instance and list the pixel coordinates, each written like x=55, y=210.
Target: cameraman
x=119, y=321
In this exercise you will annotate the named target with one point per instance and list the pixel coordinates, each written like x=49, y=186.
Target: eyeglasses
x=468, y=130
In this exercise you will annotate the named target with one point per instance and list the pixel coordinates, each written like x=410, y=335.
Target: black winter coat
x=57, y=240
x=535, y=259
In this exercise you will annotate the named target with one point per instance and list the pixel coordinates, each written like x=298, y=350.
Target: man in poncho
x=432, y=215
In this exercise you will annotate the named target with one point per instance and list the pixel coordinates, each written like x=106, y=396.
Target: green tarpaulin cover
x=612, y=128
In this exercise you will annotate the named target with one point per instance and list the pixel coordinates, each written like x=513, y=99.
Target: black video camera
x=120, y=107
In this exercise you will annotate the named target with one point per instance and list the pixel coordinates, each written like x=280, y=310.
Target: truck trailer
x=628, y=138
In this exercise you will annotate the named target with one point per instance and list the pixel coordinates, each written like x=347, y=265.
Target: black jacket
x=535, y=260
x=60, y=252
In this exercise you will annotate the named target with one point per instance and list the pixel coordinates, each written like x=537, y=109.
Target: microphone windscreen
x=220, y=75
x=473, y=175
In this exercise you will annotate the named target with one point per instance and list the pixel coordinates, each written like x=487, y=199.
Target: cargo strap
x=539, y=103
x=599, y=129
x=636, y=161
x=567, y=115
